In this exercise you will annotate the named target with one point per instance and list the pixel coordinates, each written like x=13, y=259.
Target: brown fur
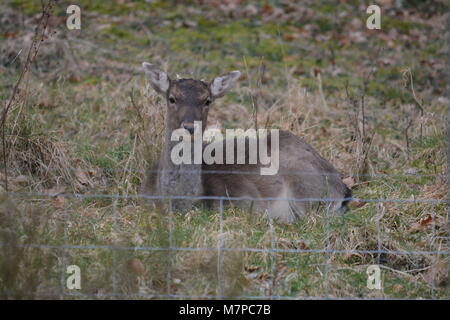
x=303, y=174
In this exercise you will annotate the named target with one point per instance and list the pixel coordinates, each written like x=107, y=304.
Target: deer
x=304, y=178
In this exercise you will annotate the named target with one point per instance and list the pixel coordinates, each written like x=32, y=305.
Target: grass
x=78, y=131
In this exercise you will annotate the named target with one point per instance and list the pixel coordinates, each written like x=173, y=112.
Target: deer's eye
x=172, y=99
x=207, y=102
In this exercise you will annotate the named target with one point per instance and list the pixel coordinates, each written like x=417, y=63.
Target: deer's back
x=302, y=174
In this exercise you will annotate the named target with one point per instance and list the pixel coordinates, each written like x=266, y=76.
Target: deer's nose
x=189, y=126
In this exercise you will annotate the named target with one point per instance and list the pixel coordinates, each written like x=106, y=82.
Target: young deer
x=303, y=173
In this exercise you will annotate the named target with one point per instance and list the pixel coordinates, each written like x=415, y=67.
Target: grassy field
x=85, y=123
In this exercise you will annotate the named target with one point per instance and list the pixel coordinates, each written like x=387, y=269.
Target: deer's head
x=188, y=100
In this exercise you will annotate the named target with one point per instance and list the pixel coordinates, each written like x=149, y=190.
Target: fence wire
x=407, y=173
x=221, y=249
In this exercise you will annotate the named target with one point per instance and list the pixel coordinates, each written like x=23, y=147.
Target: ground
x=85, y=123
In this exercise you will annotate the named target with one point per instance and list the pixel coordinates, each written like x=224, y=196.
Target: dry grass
x=96, y=128
x=27, y=271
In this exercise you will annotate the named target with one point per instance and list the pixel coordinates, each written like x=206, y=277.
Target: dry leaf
x=291, y=244
x=440, y=272
x=263, y=276
x=82, y=177
x=302, y=245
x=59, y=202
x=356, y=204
x=56, y=190
x=427, y=220
x=286, y=244
x=249, y=11
x=91, y=172
x=137, y=239
x=397, y=288
x=10, y=35
x=74, y=78
x=190, y=24
x=349, y=182
x=266, y=9
x=289, y=37
x=20, y=179
x=251, y=269
x=421, y=224
x=136, y=267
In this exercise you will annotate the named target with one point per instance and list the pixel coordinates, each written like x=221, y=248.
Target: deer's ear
x=158, y=79
x=220, y=85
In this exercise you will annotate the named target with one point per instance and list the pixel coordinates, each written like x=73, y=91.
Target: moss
x=120, y=152
x=113, y=8
x=325, y=24
x=27, y=7
x=428, y=142
x=388, y=23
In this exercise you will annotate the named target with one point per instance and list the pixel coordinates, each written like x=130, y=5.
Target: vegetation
x=85, y=123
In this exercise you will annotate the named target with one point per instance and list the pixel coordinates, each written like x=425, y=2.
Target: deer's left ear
x=158, y=79
x=220, y=85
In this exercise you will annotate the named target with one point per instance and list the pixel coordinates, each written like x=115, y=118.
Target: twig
x=322, y=95
x=407, y=73
x=410, y=122
x=32, y=53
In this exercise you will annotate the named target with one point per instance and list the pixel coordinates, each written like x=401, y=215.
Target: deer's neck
x=179, y=179
x=169, y=163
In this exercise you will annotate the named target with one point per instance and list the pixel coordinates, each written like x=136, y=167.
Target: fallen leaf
x=136, y=267
x=82, y=177
x=244, y=76
x=249, y=10
x=427, y=220
x=411, y=171
x=20, y=179
x=59, y=202
x=302, y=245
x=286, y=244
x=356, y=204
x=91, y=172
x=421, y=224
x=267, y=9
x=281, y=267
x=251, y=268
x=56, y=190
x=263, y=276
x=349, y=182
x=138, y=239
x=438, y=273
x=397, y=288
x=10, y=35
x=289, y=37
x=189, y=23
x=316, y=71
x=74, y=78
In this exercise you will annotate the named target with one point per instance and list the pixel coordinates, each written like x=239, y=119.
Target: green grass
x=92, y=121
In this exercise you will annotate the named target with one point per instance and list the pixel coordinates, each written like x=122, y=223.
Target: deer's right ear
x=158, y=79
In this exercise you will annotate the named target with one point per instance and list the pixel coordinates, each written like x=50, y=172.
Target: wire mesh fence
x=73, y=246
